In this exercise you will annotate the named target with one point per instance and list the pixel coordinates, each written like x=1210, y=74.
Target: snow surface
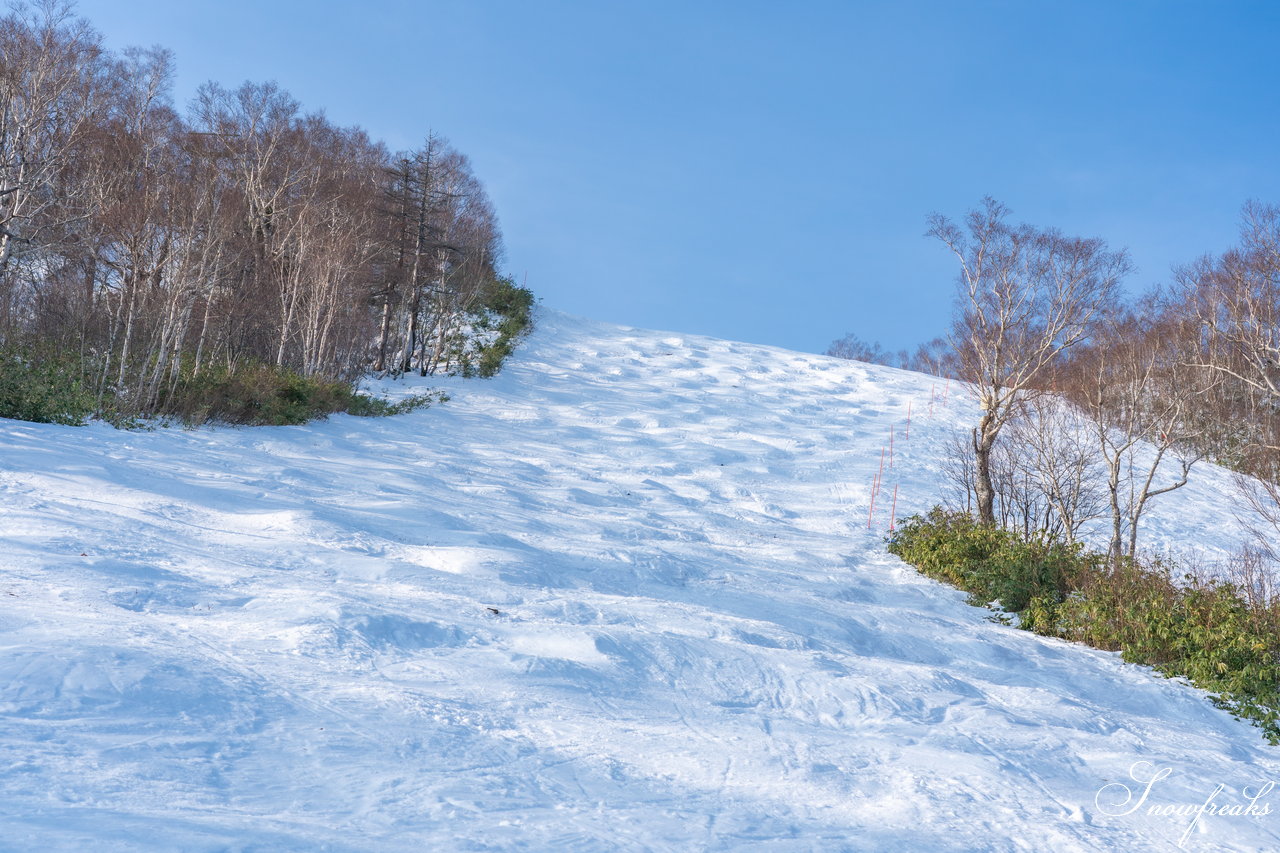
x=622, y=597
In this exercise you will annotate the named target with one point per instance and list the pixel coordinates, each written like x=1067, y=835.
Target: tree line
x=1094, y=403
x=145, y=247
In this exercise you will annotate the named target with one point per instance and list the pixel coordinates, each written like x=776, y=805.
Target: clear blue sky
x=761, y=171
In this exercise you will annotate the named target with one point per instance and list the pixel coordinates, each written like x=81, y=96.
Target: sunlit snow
x=626, y=596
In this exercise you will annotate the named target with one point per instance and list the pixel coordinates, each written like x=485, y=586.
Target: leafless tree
x=50, y=77
x=1053, y=444
x=934, y=357
x=1231, y=306
x=957, y=473
x=854, y=348
x=1045, y=471
x=1026, y=296
x=1263, y=497
x=1134, y=384
x=156, y=246
x=442, y=247
x=1236, y=299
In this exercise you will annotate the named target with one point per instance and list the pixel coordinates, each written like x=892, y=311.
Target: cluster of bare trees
x=1231, y=309
x=1093, y=405
x=155, y=245
x=1027, y=296
x=933, y=357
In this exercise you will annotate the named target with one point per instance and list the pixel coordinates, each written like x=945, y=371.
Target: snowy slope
x=622, y=597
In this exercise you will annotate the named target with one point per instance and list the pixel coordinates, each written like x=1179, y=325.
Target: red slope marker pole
x=893, y=512
x=875, y=489
x=876, y=482
x=871, y=511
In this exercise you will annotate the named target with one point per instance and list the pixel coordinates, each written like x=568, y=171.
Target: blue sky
x=762, y=171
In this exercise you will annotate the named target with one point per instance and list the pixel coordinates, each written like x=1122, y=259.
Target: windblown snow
x=629, y=595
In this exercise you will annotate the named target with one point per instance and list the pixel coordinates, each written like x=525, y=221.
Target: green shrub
x=989, y=563
x=43, y=386
x=257, y=395
x=1203, y=630
x=378, y=407
x=264, y=395
x=506, y=310
x=46, y=385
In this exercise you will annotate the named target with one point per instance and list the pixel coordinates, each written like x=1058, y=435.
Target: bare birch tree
x=1026, y=296
x=49, y=88
x=1143, y=399
x=150, y=248
x=1052, y=441
x=1232, y=304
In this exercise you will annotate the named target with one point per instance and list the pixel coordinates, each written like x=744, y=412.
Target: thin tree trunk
x=384, y=332
x=984, y=489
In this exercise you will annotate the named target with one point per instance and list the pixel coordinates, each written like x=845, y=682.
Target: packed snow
x=629, y=595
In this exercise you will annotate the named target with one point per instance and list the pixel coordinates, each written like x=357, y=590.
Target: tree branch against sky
x=1025, y=296
x=779, y=155
x=150, y=248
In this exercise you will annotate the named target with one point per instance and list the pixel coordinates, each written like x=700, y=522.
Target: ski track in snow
x=622, y=597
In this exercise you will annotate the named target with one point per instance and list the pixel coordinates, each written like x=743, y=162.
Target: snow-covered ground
x=622, y=597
